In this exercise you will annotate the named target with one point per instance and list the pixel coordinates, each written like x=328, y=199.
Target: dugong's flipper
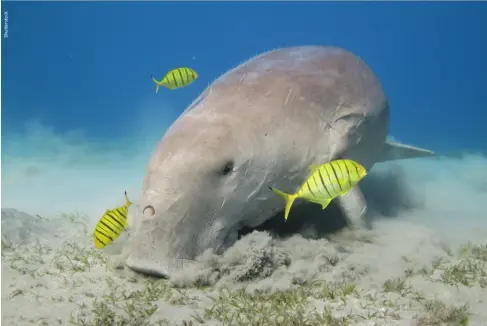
x=354, y=208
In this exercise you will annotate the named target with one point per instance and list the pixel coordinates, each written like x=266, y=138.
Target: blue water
x=80, y=115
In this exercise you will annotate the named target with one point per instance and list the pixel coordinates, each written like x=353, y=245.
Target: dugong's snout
x=165, y=243
x=165, y=254
x=165, y=263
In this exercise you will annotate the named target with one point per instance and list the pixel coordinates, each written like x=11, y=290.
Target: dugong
x=260, y=124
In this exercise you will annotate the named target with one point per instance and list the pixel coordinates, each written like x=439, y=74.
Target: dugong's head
x=202, y=182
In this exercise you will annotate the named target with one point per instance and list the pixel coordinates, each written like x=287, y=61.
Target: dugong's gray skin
x=261, y=124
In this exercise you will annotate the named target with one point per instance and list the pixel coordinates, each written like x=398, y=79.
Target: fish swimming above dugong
x=260, y=125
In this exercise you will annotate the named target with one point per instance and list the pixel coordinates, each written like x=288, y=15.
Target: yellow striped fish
x=111, y=224
x=325, y=183
x=176, y=78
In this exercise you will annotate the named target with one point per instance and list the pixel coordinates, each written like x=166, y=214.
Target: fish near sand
x=250, y=129
x=111, y=224
x=325, y=183
x=176, y=78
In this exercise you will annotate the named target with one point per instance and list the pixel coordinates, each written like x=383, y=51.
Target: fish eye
x=149, y=211
x=228, y=168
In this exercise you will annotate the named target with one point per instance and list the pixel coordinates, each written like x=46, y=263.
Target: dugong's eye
x=227, y=168
x=149, y=211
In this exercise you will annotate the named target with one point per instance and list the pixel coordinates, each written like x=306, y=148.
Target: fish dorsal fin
x=172, y=70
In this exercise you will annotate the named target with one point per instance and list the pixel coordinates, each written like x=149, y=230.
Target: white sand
x=407, y=270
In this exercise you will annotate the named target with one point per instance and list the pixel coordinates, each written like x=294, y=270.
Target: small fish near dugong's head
x=259, y=125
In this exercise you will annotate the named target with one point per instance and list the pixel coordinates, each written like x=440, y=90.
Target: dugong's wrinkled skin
x=261, y=124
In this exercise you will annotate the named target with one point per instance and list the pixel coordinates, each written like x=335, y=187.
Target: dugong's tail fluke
x=397, y=151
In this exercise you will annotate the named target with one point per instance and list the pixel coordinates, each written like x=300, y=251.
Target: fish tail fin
x=158, y=83
x=127, y=201
x=288, y=198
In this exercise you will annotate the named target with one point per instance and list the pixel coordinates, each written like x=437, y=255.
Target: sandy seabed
x=403, y=271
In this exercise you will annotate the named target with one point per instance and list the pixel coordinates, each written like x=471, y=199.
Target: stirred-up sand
x=423, y=262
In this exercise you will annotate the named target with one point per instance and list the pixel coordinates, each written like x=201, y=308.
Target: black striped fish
x=111, y=224
x=326, y=182
x=176, y=78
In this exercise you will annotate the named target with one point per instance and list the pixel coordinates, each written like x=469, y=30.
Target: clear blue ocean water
x=80, y=116
x=80, y=119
